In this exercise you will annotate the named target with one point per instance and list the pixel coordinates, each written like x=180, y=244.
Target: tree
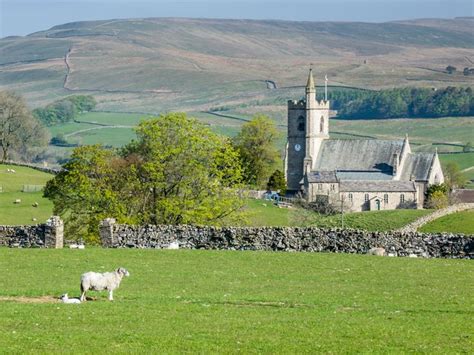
x=188, y=174
x=256, y=146
x=20, y=132
x=437, y=196
x=468, y=147
x=454, y=177
x=176, y=172
x=450, y=69
x=277, y=182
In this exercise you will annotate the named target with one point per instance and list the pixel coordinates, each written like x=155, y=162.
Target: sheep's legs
x=83, y=296
x=111, y=295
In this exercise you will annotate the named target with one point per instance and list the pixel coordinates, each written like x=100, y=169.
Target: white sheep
x=66, y=299
x=376, y=251
x=98, y=282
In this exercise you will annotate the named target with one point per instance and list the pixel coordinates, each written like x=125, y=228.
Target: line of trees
x=404, y=103
x=65, y=110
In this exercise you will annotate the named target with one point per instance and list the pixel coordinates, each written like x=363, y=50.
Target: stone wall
x=47, y=235
x=286, y=239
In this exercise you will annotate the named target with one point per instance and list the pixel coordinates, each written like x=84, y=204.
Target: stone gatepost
x=106, y=232
x=54, y=233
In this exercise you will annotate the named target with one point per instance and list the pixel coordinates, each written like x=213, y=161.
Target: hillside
x=156, y=64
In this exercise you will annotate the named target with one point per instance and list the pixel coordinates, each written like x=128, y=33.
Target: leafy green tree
x=437, y=196
x=453, y=176
x=277, y=182
x=86, y=191
x=20, y=132
x=256, y=144
x=188, y=174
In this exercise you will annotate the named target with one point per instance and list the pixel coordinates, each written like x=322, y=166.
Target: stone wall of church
x=388, y=200
x=286, y=239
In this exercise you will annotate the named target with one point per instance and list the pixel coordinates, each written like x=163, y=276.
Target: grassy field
x=264, y=213
x=12, y=186
x=460, y=222
x=230, y=302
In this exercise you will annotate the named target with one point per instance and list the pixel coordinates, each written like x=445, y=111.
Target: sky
x=21, y=17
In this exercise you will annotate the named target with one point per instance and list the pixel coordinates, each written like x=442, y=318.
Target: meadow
x=460, y=222
x=230, y=302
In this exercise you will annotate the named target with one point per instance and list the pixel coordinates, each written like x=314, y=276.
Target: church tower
x=308, y=126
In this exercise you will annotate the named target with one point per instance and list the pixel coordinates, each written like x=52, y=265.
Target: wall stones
x=47, y=235
x=287, y=239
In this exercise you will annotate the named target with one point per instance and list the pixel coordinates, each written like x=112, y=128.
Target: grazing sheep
x=98, y=282
x=66, y=299
x=376, y=251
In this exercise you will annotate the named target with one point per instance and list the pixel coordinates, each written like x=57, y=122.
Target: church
x=357, y=174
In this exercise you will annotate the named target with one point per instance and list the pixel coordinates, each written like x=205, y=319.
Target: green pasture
x=266, y=213
x=12, y=213
x=460, y=222
x=233, y=301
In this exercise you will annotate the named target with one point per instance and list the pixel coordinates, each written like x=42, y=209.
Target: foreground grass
x=216, y=301
x=460, y=222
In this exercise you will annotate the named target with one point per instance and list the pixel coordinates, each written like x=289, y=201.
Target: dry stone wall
x=47, y=235
x=286, y=239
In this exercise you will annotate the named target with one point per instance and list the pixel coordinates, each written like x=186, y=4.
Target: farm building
x=360, y=174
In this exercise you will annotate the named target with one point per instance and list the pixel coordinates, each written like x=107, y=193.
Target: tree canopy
x=256, y=144
x=20, y=132
x=176, y=172
x=65, y=110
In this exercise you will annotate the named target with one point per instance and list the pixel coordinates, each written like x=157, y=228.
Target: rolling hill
x=160, y=64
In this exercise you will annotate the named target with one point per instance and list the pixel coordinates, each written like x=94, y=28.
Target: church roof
x=322, y=176
x=358, y=155
x=417, y=166
x=377, y=186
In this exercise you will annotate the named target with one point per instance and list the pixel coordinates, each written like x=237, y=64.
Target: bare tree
x=20, y=132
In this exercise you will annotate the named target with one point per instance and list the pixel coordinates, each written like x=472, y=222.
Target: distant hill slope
x=158, y=64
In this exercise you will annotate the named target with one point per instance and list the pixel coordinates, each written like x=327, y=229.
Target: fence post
x=106, y=232
x=54, y=233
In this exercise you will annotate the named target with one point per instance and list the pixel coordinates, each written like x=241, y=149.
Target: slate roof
x=377, y=186
x=358, y=155
x=322, y=176
x=417, y=166
x=363, y=175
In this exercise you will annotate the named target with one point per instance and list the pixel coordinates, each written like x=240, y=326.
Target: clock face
x=297, y=147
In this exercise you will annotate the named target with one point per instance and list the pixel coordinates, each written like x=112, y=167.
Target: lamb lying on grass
x=98, y=282
x=66, y=299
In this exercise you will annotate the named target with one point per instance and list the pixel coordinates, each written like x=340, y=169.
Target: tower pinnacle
x=310, y=83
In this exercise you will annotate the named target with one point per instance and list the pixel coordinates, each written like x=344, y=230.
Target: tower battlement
x=301, y=105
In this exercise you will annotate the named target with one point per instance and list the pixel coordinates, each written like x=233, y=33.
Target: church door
x=377, y=205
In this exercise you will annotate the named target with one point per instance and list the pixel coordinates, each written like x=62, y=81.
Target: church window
x=320, y=186
x=350, y=197
x=333, y=187
x=301, y=123
x=402, y=198
x=385, y=198
x=436, y=179
x=366, y=197
x=321, y=125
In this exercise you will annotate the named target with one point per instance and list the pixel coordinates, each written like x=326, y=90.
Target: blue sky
x=20, y=17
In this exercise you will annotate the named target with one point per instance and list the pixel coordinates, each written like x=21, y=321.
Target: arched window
x=436, y=179
x=350, y=198
x=321, y=125
x=402, y=198
x=366, y=197
x=385, y=198
x=320, y=186
x=301, y=123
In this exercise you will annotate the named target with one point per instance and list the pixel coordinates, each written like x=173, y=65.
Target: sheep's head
x=64, y=297
x=122, y=271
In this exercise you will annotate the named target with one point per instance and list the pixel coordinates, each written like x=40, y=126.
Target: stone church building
x=359, y=174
